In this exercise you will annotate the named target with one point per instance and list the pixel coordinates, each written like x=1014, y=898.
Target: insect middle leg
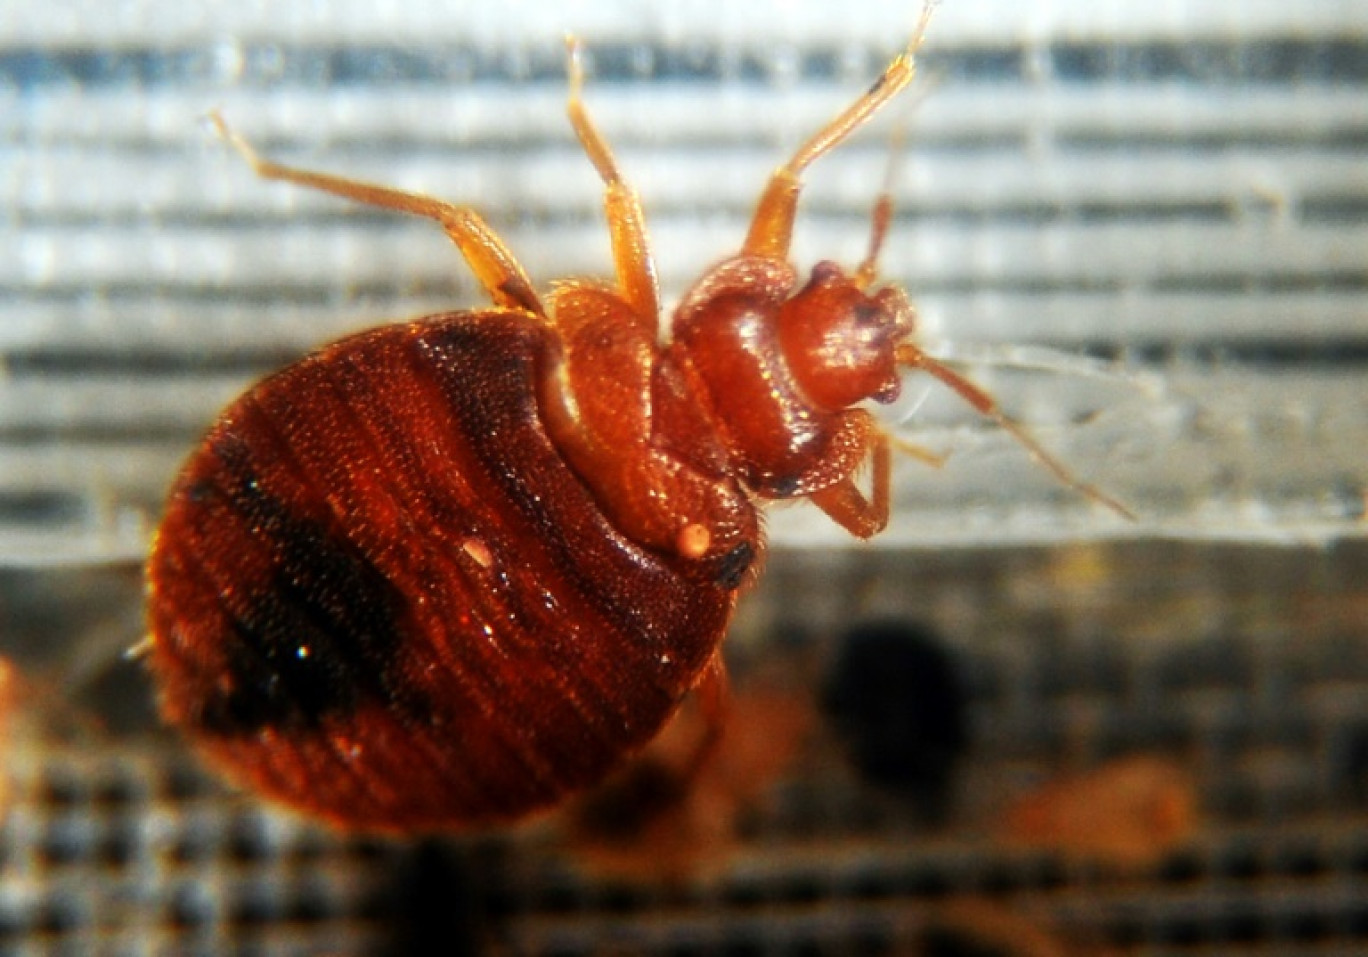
x=493, y=264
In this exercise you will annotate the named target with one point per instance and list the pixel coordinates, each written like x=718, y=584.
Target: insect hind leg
x=492, y=262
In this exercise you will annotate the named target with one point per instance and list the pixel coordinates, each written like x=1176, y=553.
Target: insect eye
x=867, y=314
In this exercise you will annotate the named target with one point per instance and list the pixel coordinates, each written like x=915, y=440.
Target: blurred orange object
x=9, y=691
x=974, y=926
x=1128, y=813
x=666, y=817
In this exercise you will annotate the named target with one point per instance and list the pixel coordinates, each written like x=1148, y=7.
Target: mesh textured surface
x=1246, y=668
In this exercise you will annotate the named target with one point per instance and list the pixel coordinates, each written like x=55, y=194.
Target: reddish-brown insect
x=444, y=573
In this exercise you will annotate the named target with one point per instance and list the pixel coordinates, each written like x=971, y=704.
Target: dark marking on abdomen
x=318, y=634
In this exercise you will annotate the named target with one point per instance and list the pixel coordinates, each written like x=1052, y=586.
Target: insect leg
x=848, y=507
x=714, y=699
x=491, y=261
x=772, y=225
x=636, y=275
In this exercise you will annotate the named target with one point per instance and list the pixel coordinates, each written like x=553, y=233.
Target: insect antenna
x=881, y=216
x=911, y=355
x=868, y=271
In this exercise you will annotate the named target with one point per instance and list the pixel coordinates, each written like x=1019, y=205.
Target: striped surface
x=1177, y=190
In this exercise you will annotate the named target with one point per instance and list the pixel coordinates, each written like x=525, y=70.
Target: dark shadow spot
x=896, y=701
x=437, y=898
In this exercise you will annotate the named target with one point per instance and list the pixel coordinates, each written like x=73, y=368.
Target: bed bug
x=443, y=574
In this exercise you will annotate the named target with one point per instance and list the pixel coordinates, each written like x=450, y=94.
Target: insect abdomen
x=381, y=595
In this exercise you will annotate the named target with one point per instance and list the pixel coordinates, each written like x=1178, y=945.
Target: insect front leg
x=848, y=506
x=492, y=262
